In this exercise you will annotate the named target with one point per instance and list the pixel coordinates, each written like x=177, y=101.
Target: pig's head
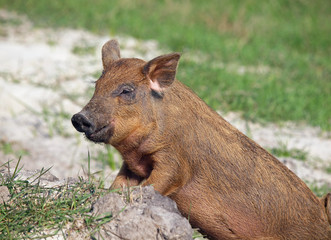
x=124, y=98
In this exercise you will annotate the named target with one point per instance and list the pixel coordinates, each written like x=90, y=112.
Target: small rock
x=4, y=194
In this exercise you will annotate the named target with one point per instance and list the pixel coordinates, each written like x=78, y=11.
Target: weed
x=10, y=21
x=107, y=157
x=10, y=148
x=328, y=169
x=83, y=50
x=34, y=211
x=197, y=234
x=96, y=74
x=6, y=148
x=284, y=151
x=3, y=33
x=53, y=117
x=319, y=190
x=51, y=42
x=55, y=120
x=9, y=77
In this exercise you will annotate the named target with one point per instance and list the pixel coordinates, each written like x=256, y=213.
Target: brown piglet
x=225, y=183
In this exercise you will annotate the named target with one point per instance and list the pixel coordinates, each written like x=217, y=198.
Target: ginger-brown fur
x=228, y=186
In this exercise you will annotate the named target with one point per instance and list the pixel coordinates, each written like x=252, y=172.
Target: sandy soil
x=46, y=76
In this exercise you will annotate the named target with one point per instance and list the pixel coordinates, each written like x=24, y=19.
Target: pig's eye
x=126, y=91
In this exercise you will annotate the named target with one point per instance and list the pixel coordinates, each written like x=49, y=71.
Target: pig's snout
x=82, y=123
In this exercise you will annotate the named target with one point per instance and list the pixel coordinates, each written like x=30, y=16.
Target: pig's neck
x=185, y=121
x=183, y=111
x=138, y=148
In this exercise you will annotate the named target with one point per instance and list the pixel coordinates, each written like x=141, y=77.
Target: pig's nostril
x=86, y=124
x=82, y=123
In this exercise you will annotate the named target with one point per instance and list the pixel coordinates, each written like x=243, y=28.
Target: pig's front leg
x=125, y=178
x=165, y=179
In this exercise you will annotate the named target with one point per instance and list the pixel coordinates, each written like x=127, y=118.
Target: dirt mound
x=147, y=215
x=137, y=213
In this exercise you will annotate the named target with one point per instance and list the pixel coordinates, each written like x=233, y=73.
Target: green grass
x=83, y=50
x=10, y=148
x=197, y=234
x=291, y=39
x=319, y=191
x=55, y=119
x=37, y=212
x=328, y=169
x=284, y=151
x=107, y=157
x=34, y=211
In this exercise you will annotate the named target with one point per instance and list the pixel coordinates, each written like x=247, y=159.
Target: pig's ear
x=161, y=71
x=110, y=53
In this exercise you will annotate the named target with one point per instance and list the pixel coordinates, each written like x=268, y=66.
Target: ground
x=47, y=75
